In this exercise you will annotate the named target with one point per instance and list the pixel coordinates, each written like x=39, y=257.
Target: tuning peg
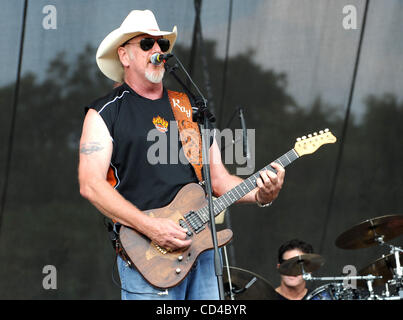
x=321, y=132
x=315, y=133
x=326, y=130
x=298, y=139
x=303, y=137
x=309, y=136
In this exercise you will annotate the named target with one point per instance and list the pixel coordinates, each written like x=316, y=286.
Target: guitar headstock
x=312, y=142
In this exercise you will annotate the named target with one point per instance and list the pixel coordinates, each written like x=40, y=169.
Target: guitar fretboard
x=243, y=188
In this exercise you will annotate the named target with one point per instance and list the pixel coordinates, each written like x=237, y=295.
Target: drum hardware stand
x=396, y=251
x=387, y=292
x=397, y=277
x=370, y=290
x=232, y=295
x=237, y=291
x=246, y=286
x=308, y=276
x=398, y=272
x=232, y=290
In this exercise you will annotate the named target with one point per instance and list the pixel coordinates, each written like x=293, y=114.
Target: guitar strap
x=189, y=131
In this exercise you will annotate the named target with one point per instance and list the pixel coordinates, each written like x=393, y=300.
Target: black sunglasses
x=147, y=43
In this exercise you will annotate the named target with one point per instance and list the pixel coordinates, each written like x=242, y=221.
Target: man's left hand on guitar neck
x=269, y=184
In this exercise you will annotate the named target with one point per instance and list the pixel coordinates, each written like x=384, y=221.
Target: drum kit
x=242, y=284
x=385, y=273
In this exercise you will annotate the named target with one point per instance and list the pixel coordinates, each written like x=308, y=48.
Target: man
x=115, y=173
x=292, y=287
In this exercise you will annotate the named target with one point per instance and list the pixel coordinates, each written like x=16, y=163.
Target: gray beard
x=155, y=76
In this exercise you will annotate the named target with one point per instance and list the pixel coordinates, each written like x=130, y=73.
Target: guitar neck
x=244, y=187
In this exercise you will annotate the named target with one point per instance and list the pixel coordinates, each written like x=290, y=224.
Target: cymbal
x=382, y=267
x=364, y=234
x=259, y=289
x=293, y=267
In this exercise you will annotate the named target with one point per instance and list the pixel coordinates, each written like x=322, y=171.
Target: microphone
x=245, y=138
x=158, y=58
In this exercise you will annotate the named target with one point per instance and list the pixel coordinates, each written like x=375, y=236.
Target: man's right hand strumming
x=167, y=234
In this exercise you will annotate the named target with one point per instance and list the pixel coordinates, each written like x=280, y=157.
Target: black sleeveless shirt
x=148, y=163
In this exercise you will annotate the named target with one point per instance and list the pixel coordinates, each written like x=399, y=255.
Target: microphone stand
x=202, y=115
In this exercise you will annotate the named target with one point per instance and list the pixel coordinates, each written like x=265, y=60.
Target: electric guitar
x=165, y=269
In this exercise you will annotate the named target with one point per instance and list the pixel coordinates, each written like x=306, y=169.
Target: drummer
x=292, y=287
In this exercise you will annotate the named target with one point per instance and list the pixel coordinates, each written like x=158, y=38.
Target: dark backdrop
x=289, y=64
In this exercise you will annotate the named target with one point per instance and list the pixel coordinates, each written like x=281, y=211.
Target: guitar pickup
x=195, y=221
x=183, y=224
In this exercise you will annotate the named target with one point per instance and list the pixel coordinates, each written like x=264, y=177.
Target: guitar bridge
x=160, y=249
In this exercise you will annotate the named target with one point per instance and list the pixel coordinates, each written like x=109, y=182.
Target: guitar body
x=164, y=269
x=159, y=267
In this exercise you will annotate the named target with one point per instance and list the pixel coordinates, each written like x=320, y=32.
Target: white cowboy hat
x=137, y=22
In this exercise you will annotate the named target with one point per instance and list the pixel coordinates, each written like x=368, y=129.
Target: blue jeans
x=200, y=284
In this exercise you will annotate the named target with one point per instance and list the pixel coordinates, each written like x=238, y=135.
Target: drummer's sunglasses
x=147, y=43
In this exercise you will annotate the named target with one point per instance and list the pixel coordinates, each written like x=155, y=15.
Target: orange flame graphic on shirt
x=161, y=124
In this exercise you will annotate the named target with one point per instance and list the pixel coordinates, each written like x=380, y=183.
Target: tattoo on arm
x=90, y=147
